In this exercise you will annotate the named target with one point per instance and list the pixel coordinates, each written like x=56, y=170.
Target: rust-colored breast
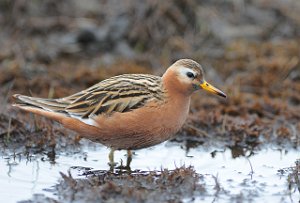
x=140, y=128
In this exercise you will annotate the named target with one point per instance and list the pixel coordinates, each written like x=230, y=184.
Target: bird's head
x=186, y=76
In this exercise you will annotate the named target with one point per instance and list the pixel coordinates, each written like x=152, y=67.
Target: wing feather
x=118, y=94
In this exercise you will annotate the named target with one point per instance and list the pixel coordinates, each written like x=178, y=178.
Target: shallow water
x=253, y=178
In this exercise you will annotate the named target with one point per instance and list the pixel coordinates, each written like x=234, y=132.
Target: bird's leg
x=111, y=158
x=129, y=158
x=111, y=155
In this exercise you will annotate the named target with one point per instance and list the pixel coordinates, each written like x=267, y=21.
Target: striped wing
x=117, y=94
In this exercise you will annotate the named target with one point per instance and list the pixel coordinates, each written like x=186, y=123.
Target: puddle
x=254, y=178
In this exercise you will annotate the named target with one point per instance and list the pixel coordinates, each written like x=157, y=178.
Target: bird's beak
x=208, y=87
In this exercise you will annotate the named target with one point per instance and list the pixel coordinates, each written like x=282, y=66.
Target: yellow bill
x=208, y=87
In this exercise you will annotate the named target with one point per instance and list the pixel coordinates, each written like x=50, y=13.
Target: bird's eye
x=190, y=75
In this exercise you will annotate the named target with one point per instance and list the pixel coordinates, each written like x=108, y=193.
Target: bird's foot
x=112, y=165
x=124, y=167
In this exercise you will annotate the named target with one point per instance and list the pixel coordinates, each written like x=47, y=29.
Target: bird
x=129, y=111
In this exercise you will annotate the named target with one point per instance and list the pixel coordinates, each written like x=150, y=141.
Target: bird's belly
x=139, y=128
x=138, y=139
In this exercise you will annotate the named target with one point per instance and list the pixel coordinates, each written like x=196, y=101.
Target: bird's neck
x=178, y=96
x=177, y=101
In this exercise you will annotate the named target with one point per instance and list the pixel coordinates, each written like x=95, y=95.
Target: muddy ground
x=249, y=49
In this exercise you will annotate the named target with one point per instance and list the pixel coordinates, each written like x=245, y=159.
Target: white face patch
x=183, y=71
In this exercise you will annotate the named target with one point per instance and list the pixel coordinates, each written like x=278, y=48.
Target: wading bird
x=130, y=111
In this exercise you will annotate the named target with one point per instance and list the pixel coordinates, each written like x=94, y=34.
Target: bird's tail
x=55, y=109
x=51, y=108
